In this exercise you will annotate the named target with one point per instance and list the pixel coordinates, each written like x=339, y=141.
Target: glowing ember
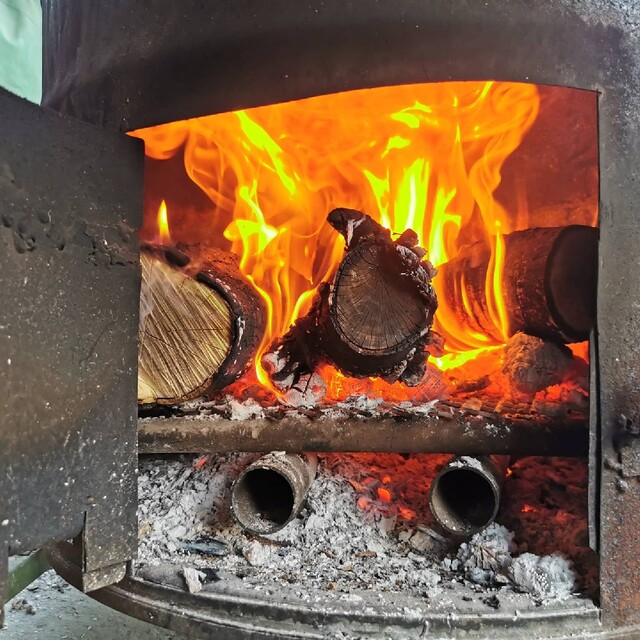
x=384, y=494
x=426, y=157
x=406, y=514
x=200, y=462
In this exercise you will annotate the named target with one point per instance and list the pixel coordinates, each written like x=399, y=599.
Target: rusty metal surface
x=458, y=433
x=70, y=206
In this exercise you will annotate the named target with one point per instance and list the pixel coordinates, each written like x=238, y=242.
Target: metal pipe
x=269, y=493
x=455, y=433
x=465, y=495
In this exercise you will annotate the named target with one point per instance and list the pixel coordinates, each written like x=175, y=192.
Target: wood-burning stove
x=125, y=66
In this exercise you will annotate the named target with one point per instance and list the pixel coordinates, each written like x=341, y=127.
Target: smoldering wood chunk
x=532, y=364
x=200, y=324
x=375, y=317
x=549, y=280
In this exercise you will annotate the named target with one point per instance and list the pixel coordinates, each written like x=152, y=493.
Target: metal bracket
x=26, y=571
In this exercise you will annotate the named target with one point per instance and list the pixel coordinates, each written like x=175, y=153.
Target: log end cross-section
x=373, y=319
x=200, y=324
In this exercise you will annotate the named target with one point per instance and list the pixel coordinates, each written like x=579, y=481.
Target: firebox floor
x=53, y=610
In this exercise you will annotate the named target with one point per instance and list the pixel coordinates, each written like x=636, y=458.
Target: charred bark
x=374, y=319
x=549, y=283
x=200, y=323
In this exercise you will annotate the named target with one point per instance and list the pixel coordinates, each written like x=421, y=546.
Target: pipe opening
x=264, y=500
x=464, y=501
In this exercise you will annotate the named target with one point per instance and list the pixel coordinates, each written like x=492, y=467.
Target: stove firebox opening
x=353, y=217
x=405, y=270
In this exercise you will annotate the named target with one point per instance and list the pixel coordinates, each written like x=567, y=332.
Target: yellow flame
x=455, y=360
x=163, y=224
x=426, y=157
x=494, y=285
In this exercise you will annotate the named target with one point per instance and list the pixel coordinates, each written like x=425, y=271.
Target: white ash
x=179, y=499
x=246, y=410
x=488, y=559
x=546, y=578
x=466, y=462
x=232, y=408
x=533, y=364
x=307, y=392
x=366, y=526
x=273, y=363
x=486, y=556
x=194, y=579
x=333, y=545
x=361, y=402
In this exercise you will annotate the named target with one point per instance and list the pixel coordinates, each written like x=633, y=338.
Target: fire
x=406, y=514
x=163, y=224
x=493, y=285
x=426, y=157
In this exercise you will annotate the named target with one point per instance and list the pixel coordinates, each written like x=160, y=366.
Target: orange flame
x=163, y=224
x=426, y=157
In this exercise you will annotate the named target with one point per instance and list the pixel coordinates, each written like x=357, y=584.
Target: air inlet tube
x=465, y=495
x=269, y=493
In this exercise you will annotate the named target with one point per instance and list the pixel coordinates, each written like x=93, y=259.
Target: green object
x=27, y=569
x=21, y=48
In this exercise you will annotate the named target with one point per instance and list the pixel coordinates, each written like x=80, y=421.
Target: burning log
x=200, y=323
x=268, y=494
x=549, y=283
x=465, y=495
x=374, y=319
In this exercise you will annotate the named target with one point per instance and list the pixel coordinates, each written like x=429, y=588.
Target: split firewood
x=374, y=319
x=549, y=283
x=200, y=323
